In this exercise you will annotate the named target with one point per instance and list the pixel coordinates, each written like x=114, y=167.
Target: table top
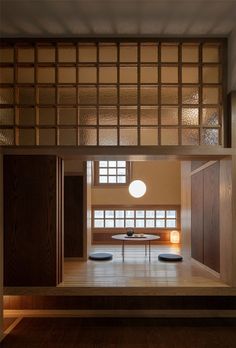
x=146, y=237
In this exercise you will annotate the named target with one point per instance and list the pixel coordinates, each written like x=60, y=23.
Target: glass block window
x=96, y=93
x=112, y=173
x=122, y=218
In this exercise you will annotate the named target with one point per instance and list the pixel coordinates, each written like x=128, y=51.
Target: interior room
x=117, y=168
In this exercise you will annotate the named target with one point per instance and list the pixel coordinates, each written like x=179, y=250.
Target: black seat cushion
x=100, y=256
x=170, y=257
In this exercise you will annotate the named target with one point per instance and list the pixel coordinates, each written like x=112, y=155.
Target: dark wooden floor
x=112, y=333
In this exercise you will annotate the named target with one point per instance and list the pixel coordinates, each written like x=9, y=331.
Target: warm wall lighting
x=174, y=237
x=137, y=188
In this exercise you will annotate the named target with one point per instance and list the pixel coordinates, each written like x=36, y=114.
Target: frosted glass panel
x=88, y=136
x=149, y=116
x=25, y=55
x=149, y=95
x=107, y=95
x=169, y=74
x=6, y=96
x=47, y=116
x=210, y=74
x=128, y=74
x=67, y=54
x=169, y=136
x=128, y=52
x=210, y=95
x=149, y=136
x=67, y=136
x=67, y=75
x=169, y=95
x=190, y=116
x=26, y=116
x=190, y=95
x=128, y=136
x=87, y=75
x=107, y=74
x=67, y=95
x=87, y=95
x=107, y=136
x=47, y=95
x=107, y=53
x=190, y=75
x=25, y=75
x=67, y=116
x=6, y=75
x=128, y=95
x=169, y=116
x=128, y=116
x=149, y=52
x=108, y=116
x=87, y=116
x=26, y=95
x=47, y=137
x=6, y=55
x=190, y=53
x=190, y=136
x=169, y=53
x=26, y=137
x=87, y=53
x=6, y=116
x=6, y=137
x=210, y=136
x=210, y=53
x=46, y=75
x=149, y=74
x=46, y=54
x=210, y=116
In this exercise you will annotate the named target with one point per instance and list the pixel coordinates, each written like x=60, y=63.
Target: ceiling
x=116, y=18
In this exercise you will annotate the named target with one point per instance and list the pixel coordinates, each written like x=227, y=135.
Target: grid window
x=112, y=172
x=118, y=218
x=124, y=86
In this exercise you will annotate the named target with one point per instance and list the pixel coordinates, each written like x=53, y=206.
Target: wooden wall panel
x=31, y=223
x=197, y=217
x=211, y=242
x=73, y=217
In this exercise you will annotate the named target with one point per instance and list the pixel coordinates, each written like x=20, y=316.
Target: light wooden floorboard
x=136, y=270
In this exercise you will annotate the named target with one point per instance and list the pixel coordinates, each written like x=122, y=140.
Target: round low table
x=146, y=239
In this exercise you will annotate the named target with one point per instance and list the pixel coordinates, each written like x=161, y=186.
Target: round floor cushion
x=170, y=257
x=100, y=256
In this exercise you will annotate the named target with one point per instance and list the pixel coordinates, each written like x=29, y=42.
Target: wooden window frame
x=112, y=185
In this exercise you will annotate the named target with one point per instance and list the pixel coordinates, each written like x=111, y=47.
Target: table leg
x=149, y=250
x=123, y=250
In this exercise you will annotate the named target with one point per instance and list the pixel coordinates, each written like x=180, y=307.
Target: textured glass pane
x=103, y=171
x=26, y=116
x=128, y=95
x=210, y=95
x=47, y=116
x=112, y=164
x=190, y=53
x=26, y=136
x=128, y=116
x=99, y=214
x=66, y=54
x=150, y=213
x=88, y=136
x=108, y=116
x=129, y=223
x=149, y=74
x=67, y=116
x=190, y=116
x=6, y=116
x=25, y=75
x=111, y=171
x=87, y=116
x=121, y=164
x=139, y=223
x=46, y=54
x=87, y=74
x=67, y=95
x=148, y=95
x=149, y=116
x=87, y=53
x=107, y=136
x=103, y=179
x=87, y=95
x=128, y=74
x=169, y=95
x=210, y=74
x=120, y=214
x=120, y=223
x=25, y=55
x=160, y=223
x=169, y=53
x=190, y=136
x=47, y=137
x=6, y=96
x=103, y=164
x=128, y=136
x=169, y=74
x=210, y=116
x=190, y=95
x=6, y=136
x=149, y=136
x=150, y=223
x=170, y=223
x=26, y=96
x=210, y=136
x=171, y=214
x=169, y=136
x=160, y=214
x=169, y=116
x=6, y=55
x=66, y=75
x=148, y=52
x=190, y=74
x=129, y=214
x=121, y=179
x=47, y=95
x=107, y=95
x=107, y=53
x=128, y=52
x=67, y=136
x=109, y=213
x=210, y=53
x=108, y=74
x=46, y=75
x=6, y=75
x=99, y=223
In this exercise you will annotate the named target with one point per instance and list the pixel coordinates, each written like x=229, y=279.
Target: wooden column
x=186, y=207
x=1, y=247
x=33, y=243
